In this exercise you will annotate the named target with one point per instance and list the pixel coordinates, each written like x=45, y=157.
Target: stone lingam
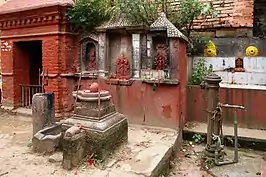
x=95, y=129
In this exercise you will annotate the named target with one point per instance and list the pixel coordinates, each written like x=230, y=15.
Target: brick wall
x=58, y=53
x=231, y=13
x=1, y=2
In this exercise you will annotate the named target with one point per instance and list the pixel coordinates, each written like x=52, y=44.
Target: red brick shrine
x=146, y=73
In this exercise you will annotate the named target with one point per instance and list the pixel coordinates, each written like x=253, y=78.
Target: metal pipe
x=236, y=136
x=232, y=106
x=216, y=161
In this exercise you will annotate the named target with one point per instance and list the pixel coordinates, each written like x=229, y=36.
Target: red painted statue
x=160, y=58
x=122, y=68
x=92, y=63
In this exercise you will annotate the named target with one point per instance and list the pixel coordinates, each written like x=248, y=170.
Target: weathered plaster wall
x=114, y=47
x=143, y=105
x=252, y=97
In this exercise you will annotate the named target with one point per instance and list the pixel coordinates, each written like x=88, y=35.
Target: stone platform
x=95, y=129
x=147, y=154
x=247, y=138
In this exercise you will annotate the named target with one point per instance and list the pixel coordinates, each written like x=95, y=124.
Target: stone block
x=104, y=136
x=73, y=150
x=102, y=144
x=93, y=105
x=96, y=113
x=42, y=111
x=47, y=140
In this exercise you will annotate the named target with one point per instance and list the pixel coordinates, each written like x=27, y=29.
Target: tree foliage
x=142, y=12
x=88, y=14
x=146, y=11
x=188, y=11
x=199, y=72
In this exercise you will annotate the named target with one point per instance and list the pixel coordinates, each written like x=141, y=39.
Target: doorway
x=27, y=71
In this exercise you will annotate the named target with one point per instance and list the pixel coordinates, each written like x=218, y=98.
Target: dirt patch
x=188, y=163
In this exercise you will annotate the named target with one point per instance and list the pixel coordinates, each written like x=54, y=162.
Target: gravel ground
x=16, y=158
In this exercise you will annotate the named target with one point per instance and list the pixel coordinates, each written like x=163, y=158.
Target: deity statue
x=160, y=58
x=239, y=65
x=122, y=67
x=92, y=60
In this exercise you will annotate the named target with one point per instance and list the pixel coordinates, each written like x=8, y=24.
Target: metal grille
x=27, y=92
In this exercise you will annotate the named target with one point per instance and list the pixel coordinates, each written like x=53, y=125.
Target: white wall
x=255, y=70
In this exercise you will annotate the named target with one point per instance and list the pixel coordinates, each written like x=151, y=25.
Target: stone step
x=148, y=152
x=248, y=138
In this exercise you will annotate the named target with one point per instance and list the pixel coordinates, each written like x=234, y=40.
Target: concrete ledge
x=8, y=108
x=23, y=112
x=247, y=138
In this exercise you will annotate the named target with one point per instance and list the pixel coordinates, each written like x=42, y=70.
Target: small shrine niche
x=239, y=65
x=120, y=56
x=164, y=43
x=160, y=59
x=89, y=56
x=160, y=56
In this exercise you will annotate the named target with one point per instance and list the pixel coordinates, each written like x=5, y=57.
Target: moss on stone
x=101, y=145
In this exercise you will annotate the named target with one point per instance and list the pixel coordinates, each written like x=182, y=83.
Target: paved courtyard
x=17, y=159
x=146, y=149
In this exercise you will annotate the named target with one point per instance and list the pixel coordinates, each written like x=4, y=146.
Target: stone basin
x=47, y=140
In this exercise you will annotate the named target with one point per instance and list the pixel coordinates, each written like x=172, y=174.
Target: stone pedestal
x=42, y=111
x=73, y=150
x=46, y=134
x=105, y=128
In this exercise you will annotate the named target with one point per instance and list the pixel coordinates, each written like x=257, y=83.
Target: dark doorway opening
x=27, y=70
